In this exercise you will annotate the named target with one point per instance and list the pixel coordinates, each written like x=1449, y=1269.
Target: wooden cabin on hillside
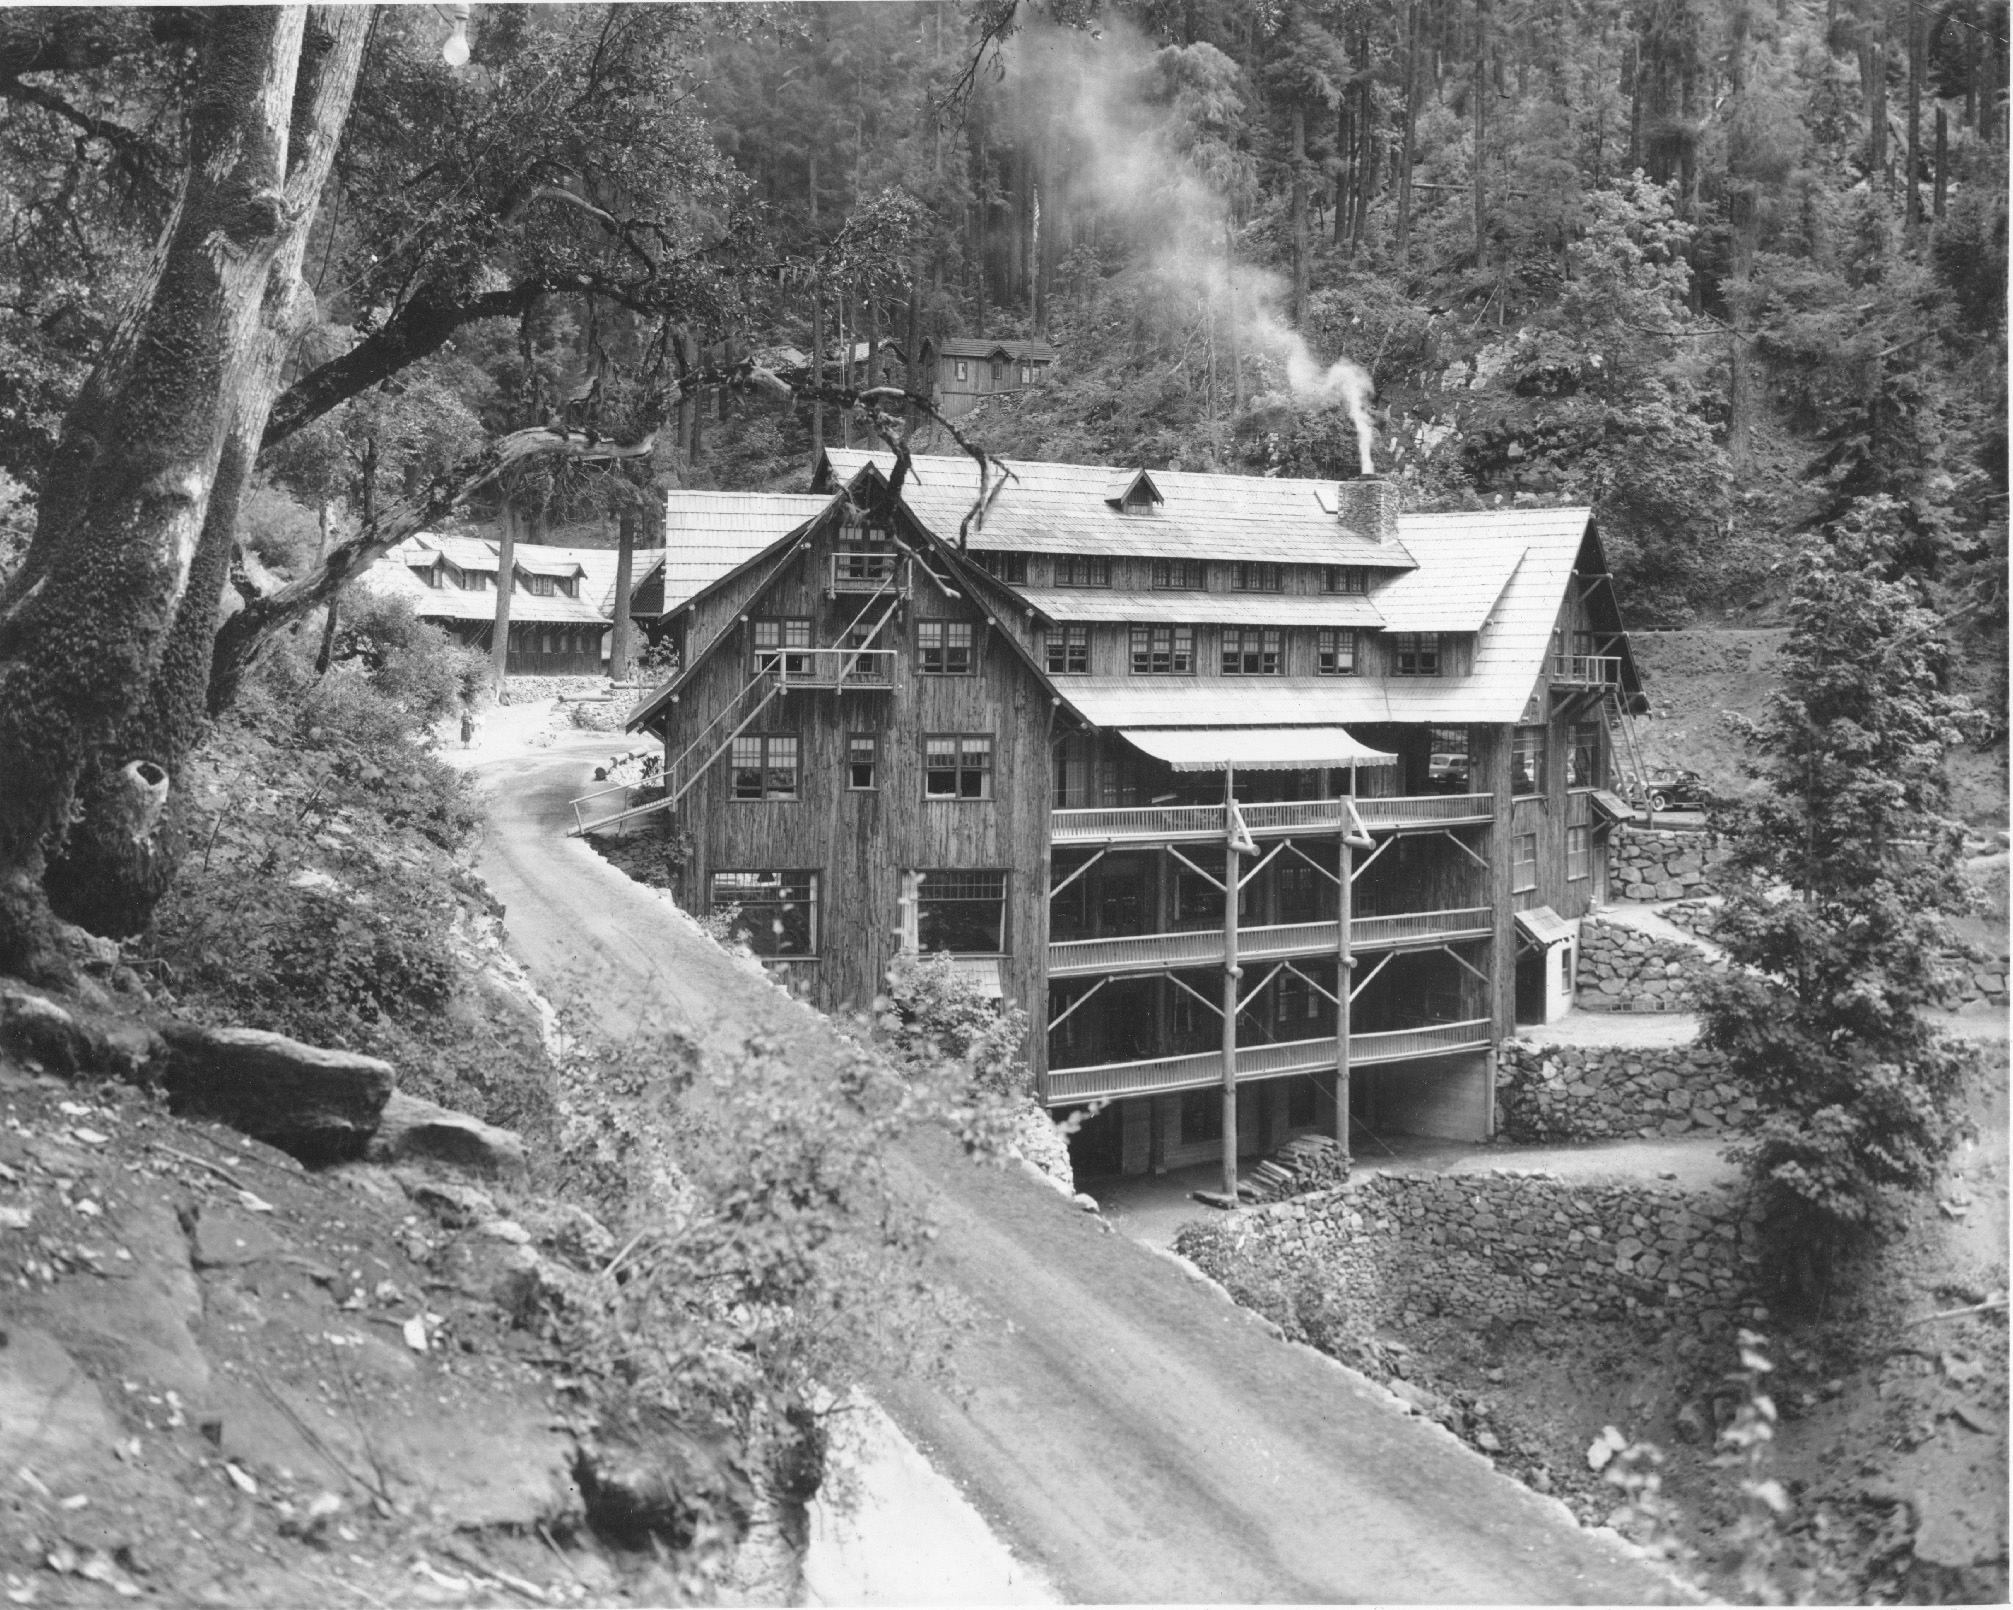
x=1236, y=784
x=963, y=371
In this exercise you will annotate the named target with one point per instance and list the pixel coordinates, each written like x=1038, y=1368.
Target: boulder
x=410, y=1129
x=321, y=1105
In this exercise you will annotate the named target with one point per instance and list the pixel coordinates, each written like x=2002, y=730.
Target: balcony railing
x=828, y=667
x=1165, y=1075
x=1153, y=953
x=865, y=572
x=1590, y=670
x=1160, y=824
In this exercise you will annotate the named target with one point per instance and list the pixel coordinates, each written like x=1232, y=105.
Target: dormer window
x=1136, y=494
x=540, y=586
x=429, y=575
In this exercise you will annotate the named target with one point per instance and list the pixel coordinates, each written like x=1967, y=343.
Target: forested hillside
x=1728, y=272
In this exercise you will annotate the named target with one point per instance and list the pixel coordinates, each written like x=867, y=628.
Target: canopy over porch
x=1254, y=748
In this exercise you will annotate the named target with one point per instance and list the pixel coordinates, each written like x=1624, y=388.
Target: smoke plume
x=1143, y=137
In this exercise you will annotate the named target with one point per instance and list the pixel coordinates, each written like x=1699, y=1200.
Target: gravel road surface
x=1121, y=1426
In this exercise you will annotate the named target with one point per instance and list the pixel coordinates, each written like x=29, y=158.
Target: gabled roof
x=1061, y=508
x=393, y=575
x=1121, y=490
x=709, y=534
x=958, y=346
x=1459, y=579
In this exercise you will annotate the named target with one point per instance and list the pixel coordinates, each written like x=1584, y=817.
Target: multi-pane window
x=859, y=662
x=1179, y=575
x=1524, y=862
x=957, y=909
x=1344, y=579
x=1298, y=1003
x=863, y=760
x=429, y=574
x=1527, y=761
x=1082, y=570
x=1583, y=759
x=1073, y=761
x=1335, y=651
x=540, y=586
x=958, y=765
x=1579, y=852
x=1251, y=651
x=764, y=766
x=1010, y=567
x=1067, y=648
x=775, y=638
x=1415, y=653
x=778, y=911
x=962, y=369
x=944, y=648
x=1163, y=650
x=1257, y=576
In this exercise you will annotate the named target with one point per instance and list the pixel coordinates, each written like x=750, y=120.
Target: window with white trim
x=777, y=911
x=1163, y=650
x=1252, y=651
x=1415, y=653
x=863, y=761
x=959, y=909
x=774, y=638
x=1579, y=852
x=1527, y=760
x=1335, y=651
x=1523, y=863
x=1583, y=759
x=958, y=765
x=763, y=766
x=944, y=648
x=1066, y=649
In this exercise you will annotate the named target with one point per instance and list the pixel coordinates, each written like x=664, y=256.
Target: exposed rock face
x=320, y=1105
x=411, y=1129
x=664, y=1487
x=1613, y=1092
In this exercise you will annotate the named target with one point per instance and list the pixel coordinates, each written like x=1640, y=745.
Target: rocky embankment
x=277, y=1332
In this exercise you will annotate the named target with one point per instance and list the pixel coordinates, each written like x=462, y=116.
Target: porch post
x=1345, y=963
x=1232, y=973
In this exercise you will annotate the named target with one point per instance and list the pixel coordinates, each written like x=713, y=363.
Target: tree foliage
x=1838, y=881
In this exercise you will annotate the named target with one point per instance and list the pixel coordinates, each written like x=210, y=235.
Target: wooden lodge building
x=963, y=371
x=1213, y=774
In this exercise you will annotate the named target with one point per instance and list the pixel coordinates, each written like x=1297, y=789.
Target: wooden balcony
x=1156, y=953
x=870, y=571
x=851, y=669
x=1588, y=670
x=1202, y=1070
x=1165, y=824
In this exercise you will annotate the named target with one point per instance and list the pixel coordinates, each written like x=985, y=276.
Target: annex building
x=1231, y=782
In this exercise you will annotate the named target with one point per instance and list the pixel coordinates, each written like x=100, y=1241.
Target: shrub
x=932, y=1012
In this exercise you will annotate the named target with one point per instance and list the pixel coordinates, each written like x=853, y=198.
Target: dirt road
x=1122, y=1427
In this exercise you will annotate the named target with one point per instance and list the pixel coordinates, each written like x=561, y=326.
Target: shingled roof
x=595, y=567
x=707, y=534
x=1065, y=508
x=959, y=346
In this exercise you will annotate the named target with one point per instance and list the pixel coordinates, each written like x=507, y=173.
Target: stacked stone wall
x=1498, y=1248
x=1622, y=969
x=1658, y=864
x=538, y=689
x=1555, y=1093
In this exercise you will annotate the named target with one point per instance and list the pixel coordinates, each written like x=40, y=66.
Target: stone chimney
x=1368, y=507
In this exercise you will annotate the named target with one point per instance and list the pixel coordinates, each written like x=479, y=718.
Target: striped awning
x=1254, y=748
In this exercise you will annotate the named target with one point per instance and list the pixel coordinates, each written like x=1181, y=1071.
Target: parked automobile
x=1678, y=790
x=1447, y=772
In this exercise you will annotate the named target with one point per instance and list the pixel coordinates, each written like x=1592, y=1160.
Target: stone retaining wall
x=1658, y=864
x=539, y=689
x=1611, y=1092
x=1497, y=1247
x=1622, y=969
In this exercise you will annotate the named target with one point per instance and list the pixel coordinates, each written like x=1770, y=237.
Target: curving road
x=1123, y=1428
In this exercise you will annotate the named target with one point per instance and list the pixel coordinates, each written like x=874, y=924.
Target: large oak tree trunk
x=105, y=876
x=79, y=646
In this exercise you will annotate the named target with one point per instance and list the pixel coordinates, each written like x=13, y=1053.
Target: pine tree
x=1837, y=885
